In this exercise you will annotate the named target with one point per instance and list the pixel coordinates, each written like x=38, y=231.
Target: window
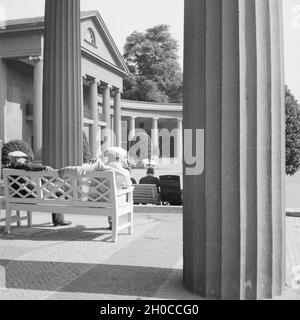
x=90, y=37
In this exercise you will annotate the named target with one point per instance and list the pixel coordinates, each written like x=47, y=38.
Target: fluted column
x=107, y=113
x=234, y=210
x=117, y=118
x=62, y=114
x=95, y=126
x=37, y=106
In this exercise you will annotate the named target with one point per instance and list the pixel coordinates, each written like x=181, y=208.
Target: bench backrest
x=94, y=190
x=145, y=193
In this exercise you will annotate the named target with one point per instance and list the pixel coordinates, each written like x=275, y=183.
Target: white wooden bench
x=93, y=194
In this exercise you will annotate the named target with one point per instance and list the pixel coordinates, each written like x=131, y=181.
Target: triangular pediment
x=97, y=40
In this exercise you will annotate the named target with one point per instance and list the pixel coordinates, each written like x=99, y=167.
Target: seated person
x=150, y=179
x=20, y=161
x=115, y=162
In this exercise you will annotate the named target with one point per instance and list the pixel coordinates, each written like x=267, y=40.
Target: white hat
x=116, y=152
x=18, y=154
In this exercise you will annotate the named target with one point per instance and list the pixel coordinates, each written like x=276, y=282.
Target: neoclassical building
x=103, y=71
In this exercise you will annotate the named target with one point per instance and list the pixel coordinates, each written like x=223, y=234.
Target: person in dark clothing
x=150, y=179
x=20, y=161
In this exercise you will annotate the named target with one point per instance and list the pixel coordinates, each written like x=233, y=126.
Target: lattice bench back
x=94, y=190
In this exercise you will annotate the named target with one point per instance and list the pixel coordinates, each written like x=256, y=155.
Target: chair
x=170, y=190
x=146, y=194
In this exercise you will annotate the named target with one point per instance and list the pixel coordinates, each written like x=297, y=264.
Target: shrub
x=15, y=145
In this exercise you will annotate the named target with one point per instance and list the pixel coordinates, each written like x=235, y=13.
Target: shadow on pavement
x=77, y=233
x=84, y=278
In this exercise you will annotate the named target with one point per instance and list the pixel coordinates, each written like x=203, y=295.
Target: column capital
x=105, y=85
x=90, y=80
x=117, y=90
x=35, y=58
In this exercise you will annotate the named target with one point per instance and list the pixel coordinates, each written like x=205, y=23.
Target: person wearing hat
x=20, y=161
x=115, y=159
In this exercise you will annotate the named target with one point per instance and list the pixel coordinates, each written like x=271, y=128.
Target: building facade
x=103, y=71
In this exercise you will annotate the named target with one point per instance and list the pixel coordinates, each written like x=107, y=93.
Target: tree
x=292, y=133
x=155, y=73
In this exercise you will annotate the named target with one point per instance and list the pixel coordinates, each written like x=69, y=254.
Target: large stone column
x=62, y=113
x=117, y=118
x=95, y=126
x=37, y=106
x=234, y=211
x=106, y=108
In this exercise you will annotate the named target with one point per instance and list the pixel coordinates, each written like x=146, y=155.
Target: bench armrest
x=125, y=191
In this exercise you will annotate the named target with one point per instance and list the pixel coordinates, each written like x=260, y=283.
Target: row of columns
x=95, y=136
x=155, y=135
x=96, y=132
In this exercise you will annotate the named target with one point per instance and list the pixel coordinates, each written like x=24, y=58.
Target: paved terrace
x=80, y=262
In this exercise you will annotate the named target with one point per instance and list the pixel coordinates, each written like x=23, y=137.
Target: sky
x=122, y=17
